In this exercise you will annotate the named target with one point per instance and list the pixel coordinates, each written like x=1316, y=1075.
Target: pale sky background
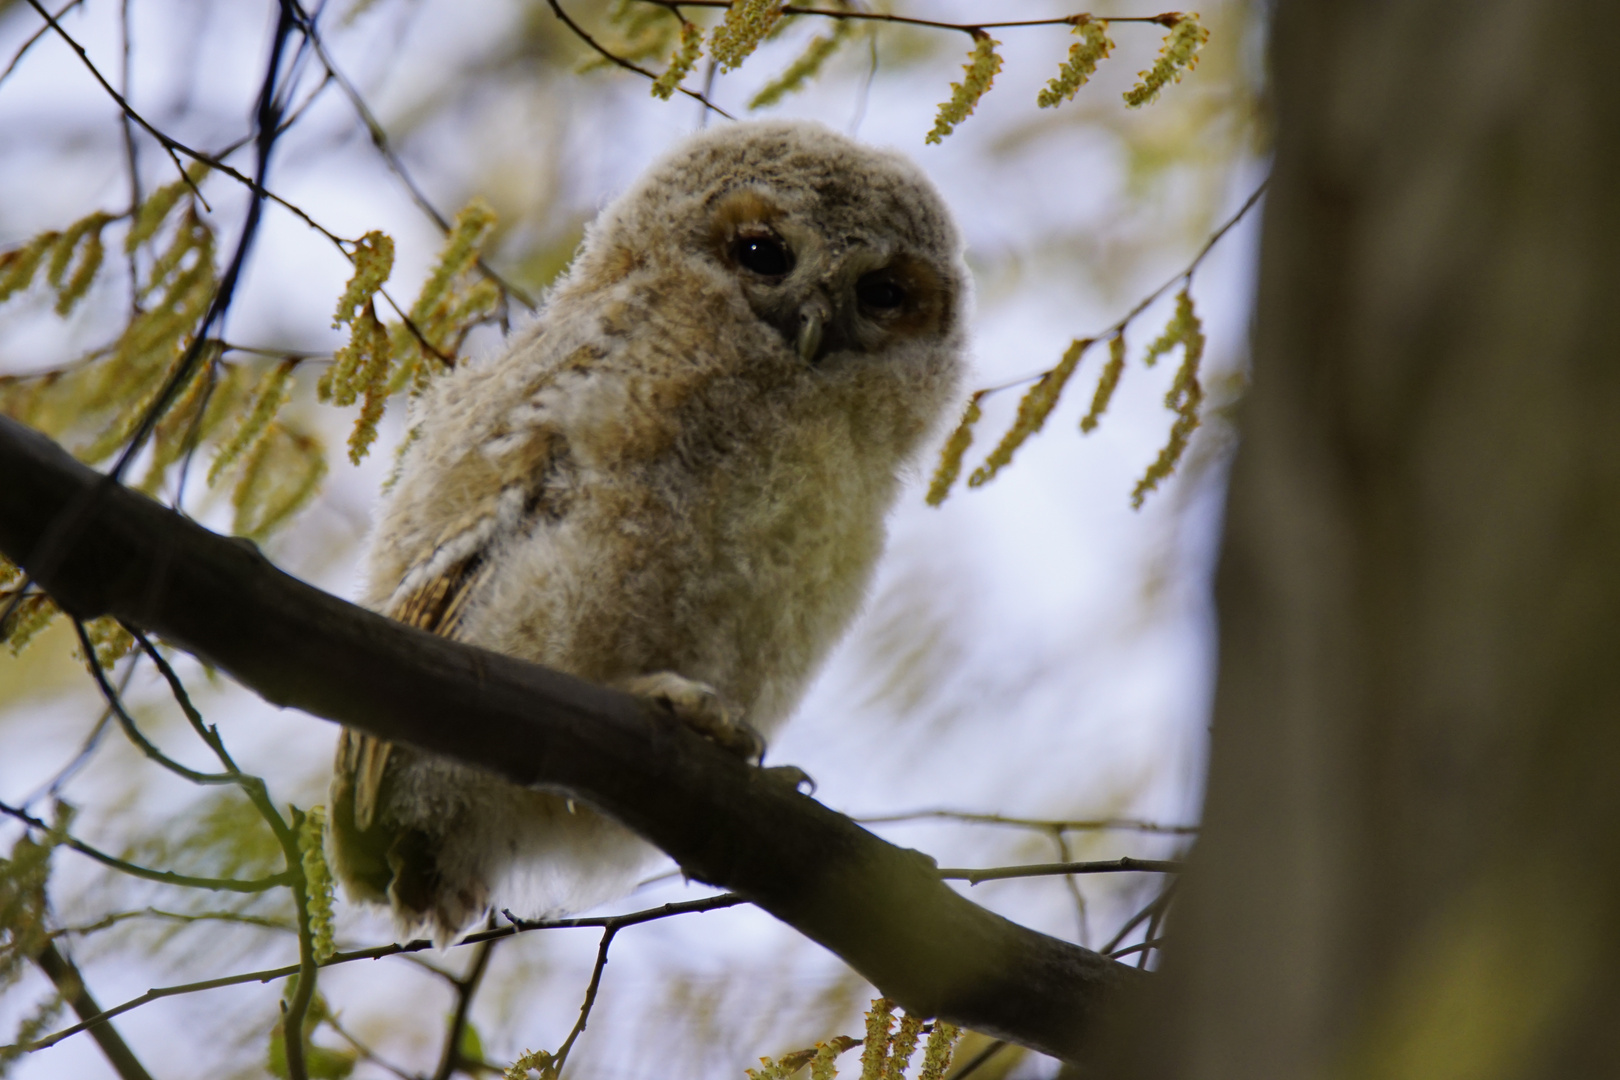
x=1034, y=647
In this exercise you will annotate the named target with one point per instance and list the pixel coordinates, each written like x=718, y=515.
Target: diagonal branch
x=69, y=982
x=881, y=908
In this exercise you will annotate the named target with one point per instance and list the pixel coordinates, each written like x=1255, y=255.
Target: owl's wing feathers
x=436, y=605
x=434, y=595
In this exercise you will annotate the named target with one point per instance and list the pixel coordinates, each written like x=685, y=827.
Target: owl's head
x=845, y=253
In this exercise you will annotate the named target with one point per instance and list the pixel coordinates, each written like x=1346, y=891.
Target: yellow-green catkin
x=937, y=1054
x=950, y=458
x=317, y=881
x=806, y=67
x=876, y=1050
x=467, y=235
x=109, y=639
x=278, y=477
x=32, y=1027
x=1185, y=396
x=33, y=613
x=744, y=27
x=685, y=58
x=1033, y=410
x=980, y=72
x=531, y=1061
x=435, y=313
x=1084, y=56
x=18, y=265
x=373, y=261
x=150, y=215
x=268, y=398
x=1177, y=55
x=903, y=1045
x=1106, y=384
x=371, y=343
x=192, y=234
x=91, y=252
x=824, y=1065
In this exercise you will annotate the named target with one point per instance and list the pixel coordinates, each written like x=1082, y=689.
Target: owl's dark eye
x=879, y=291
x=764, y=255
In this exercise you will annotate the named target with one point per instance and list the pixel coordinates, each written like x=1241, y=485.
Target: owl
x=673, y=482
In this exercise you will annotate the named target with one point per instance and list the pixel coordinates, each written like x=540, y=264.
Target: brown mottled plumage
x=674, y=482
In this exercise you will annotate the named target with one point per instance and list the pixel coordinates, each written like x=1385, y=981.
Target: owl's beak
x=813, y=317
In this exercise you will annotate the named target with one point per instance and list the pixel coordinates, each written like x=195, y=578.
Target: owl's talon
x=793, y=776
x=700, y=707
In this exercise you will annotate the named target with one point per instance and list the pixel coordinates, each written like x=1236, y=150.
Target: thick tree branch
x=881, y=908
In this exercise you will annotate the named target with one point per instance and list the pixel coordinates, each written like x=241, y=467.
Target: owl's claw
x=792, y=775
x=700, y=707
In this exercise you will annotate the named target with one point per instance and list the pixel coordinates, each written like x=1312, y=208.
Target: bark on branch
x=99, y=548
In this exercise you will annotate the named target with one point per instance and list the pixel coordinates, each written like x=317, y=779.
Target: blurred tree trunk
x=1411, y=865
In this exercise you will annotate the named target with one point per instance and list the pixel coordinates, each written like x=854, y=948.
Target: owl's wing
x=437, y=606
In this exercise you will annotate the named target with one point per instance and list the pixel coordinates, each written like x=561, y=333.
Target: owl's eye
x=879, y=291
x=764, y=255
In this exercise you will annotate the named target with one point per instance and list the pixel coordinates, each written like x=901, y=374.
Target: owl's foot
x=793, y=776
x=700, y=707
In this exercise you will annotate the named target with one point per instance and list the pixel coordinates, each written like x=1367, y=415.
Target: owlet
x=673, y=482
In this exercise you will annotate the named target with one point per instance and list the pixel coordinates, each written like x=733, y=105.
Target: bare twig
x=167, y=877
x=114, y=918
x=379, y=139
x=1158, y=903
x=1185, y=275
x=978, y=1060
x=1139, y=947
x=1107, y=866
x=34, y=37
x=466, y=989
x=517, y=926
x=590, y=999
x=1042, y=824
x=253, y=786
x=127, y=722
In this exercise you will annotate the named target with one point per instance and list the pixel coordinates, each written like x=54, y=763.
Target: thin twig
x=580, y=33
x=1060, y=840
x=116, y=917
x=1108, y=866
x=294, y=1011
x=253, y=786
x=1139, y=947
x=1159, y=901
x=366, y=1052
x=979, y=1060
x=379, y=139
x=35, y=36
x=515, y=926
x=968, y=28
x=466, y=989
x=590, y=999
x=1119, y=325
x=1042, y=824
x=127, y=722
x=167, y=877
